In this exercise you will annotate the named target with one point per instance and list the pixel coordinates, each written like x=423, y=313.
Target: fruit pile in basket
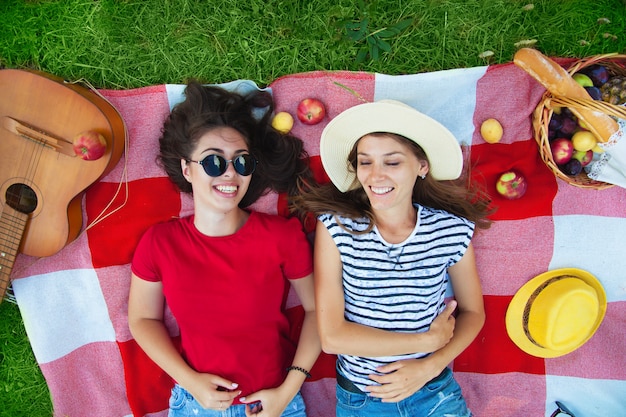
x=571, y=144
x=574, y=102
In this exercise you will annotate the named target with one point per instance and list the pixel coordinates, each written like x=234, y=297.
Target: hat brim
x=341, y=133
x=515, y=311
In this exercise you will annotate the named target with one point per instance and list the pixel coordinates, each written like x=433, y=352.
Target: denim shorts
x=182, y=404
x=439, y=397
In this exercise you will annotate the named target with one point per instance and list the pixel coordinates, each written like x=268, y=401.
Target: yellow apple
x=491, y=131
x=283, y=122
x=584, y=140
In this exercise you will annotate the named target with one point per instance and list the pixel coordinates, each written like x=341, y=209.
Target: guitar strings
x=12, y=240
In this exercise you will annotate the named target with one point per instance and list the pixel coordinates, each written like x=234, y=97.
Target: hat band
x=531, y=299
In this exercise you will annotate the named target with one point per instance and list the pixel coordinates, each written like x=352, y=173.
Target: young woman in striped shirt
x=393, y=230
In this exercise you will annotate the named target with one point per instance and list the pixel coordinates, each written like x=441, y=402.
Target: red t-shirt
x=228, y=293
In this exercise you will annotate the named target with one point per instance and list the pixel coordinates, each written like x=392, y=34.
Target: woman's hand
x=403, y=378
x=266, y=403
x=212, y=391
x=442, y=328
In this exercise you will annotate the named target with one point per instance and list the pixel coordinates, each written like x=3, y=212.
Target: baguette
x=560, y=83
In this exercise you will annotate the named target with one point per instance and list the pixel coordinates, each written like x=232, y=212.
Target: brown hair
x=460, y=197
x=281, y=158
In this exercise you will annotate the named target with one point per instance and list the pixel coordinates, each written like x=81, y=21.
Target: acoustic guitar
x=41, y=178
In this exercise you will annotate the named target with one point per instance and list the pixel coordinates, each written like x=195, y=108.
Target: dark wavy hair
x=460, y=197
x=282, y=160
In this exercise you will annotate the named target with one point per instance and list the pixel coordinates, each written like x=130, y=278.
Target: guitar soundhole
x=21, y=198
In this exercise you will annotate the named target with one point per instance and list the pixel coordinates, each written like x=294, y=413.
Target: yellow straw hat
x=390, y=116
x=556, y=312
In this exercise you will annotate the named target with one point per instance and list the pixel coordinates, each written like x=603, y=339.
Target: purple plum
x=569, y=126
x=598, y=74
x=594, y=92
x=556, y=122
x=567, y=113
x=572, y=168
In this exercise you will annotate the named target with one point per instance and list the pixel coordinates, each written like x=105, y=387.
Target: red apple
x=511, y=185
x=89, y=145
x=562, y=150
x=311, y=111
x=585, y=158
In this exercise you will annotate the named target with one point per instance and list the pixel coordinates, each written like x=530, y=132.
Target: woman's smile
x=381, y=190
x=226, y=189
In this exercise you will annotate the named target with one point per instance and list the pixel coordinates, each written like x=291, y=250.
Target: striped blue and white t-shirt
x=396, y=287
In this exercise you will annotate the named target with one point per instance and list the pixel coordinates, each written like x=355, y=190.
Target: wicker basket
x=616, y=65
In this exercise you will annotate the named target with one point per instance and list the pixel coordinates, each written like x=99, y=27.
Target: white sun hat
x=390, y=116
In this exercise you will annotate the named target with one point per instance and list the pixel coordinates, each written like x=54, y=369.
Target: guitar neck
x=12, y=226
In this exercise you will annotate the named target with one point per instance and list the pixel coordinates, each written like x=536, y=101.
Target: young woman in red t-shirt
x=224, y=272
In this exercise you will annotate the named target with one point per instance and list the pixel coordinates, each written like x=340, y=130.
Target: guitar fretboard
x=12, y=226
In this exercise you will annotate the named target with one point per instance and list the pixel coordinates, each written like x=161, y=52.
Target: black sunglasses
x=215, y=165
x=561, y=410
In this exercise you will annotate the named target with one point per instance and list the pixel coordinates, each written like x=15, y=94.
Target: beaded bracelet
x=297, y=368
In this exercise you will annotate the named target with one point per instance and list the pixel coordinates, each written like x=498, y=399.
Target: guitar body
x=41, y=181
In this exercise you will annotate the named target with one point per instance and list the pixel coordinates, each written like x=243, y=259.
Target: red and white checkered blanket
x=74, y=302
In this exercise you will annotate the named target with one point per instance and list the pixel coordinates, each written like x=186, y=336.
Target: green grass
x=23, y=390
x=134, y=43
